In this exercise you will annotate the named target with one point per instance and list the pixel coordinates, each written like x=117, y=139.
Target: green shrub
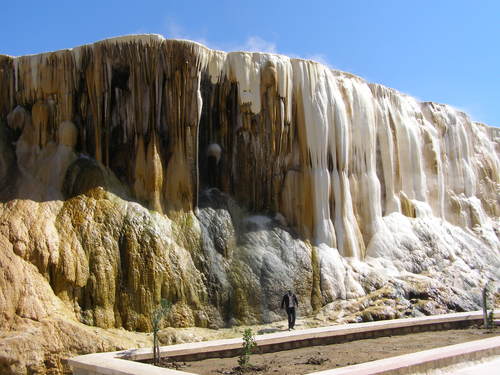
x=249, y=345
x=488, y=307
x=156, y=319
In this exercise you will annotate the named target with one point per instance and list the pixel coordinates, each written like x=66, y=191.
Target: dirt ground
x=316, y=358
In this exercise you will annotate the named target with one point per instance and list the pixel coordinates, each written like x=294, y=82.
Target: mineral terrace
x=139, y=168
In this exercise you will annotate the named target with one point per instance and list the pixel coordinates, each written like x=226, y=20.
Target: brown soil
x=316, y=358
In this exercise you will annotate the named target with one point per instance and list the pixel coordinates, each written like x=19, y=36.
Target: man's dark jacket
x=286, y=298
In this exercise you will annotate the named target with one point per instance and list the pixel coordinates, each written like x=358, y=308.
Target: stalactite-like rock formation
x=138, y=168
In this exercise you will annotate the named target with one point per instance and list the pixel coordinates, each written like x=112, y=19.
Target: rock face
x=139, y=168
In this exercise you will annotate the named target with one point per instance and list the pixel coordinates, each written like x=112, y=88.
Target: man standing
x=289, y=302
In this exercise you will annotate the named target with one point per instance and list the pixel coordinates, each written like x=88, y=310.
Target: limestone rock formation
x=140, y=168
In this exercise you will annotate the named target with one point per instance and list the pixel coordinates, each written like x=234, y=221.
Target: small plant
x=488, y=307
x=249, y=345
x=316, y=361
x=491, y=319
x=156, y=319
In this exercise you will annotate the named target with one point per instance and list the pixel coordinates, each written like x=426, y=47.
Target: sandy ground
x=306, y=360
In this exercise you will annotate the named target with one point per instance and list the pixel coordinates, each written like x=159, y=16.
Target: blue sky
x=441, y=50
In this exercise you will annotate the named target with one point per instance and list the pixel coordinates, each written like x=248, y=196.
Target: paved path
x=491, y=367
x=112, y=362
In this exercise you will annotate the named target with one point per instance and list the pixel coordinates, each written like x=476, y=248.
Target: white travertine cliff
x=139, y=168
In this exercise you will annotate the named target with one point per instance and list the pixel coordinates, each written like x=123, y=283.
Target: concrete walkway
x=490, y=367
x=124, y=362
x=424, y=361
